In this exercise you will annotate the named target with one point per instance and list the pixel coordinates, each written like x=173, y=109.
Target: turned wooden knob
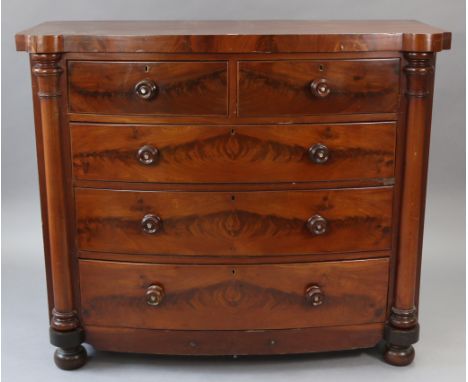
x=148, y=155
x=314, y=295
x=146, y=89
x=151, y=224
x=320, y=88
x=317, y=225
x=318, y=153
x=154, y=295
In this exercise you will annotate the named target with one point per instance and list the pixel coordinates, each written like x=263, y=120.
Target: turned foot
x=399, y=355
x=70, y=359
x=70, y=354
x=399, y=350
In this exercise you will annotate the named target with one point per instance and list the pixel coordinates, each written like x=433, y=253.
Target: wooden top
x=232, y=36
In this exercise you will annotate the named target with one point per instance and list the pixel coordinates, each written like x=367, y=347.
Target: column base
x=399, y=350
x=70, y=354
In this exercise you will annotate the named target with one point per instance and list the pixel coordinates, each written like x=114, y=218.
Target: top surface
x=81, y=35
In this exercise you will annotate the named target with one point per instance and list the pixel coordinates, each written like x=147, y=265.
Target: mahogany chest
x=232, y=187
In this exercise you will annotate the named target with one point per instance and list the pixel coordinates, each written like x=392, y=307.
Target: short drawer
x=156, y=88
x=268, y=88
x=249, y=223
x=225, y=154
x=234, y=297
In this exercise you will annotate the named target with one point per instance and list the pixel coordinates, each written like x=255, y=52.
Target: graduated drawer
x=249, y=223
x=223, y=154
x=234, y=297
x=318, y=87
x=157, y=88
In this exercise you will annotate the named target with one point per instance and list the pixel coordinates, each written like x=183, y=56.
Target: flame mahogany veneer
x=232, y=187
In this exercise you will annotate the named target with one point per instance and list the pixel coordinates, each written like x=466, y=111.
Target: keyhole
x=233, y=132
x=146, y=68
x=233, y=198
x=321, y=68
x=233, y=271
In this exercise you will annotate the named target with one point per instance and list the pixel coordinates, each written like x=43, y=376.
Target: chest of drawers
x=232, y=188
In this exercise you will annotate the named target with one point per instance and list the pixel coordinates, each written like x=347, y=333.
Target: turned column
x=65, y=326
x=403, y=329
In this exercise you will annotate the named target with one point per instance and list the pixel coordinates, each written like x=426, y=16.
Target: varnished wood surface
x=230, y=223
x=232, y=119
x=183, y=88
x=209, y=154
x=42, y=186
x=235, y=297
x=161, y=56
x=234, y=342
x=233, y=259
x=48, y=69
x=232, y=36
x=284, y=87
x=420, y=73
x=229, y=187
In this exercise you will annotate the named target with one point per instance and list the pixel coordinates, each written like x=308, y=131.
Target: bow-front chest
x=232, y=188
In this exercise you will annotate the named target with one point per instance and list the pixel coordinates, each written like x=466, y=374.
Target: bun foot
x=70, y=359
x=399, y=355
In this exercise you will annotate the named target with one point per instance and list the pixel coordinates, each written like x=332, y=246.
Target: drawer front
x=318, y=87
x=223, y=154
x=235, y=297
x=157, y=88
x=234, y=223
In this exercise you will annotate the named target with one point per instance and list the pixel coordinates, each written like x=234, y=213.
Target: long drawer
x=224, y=154
x=148, y=88
x=235, y=297
x=234, y=223
x=304, y=87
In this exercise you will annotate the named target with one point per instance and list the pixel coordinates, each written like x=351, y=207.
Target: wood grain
x=42, y=185
x=237, y=223
x=232, y=113
x=223, y=120
x=142, y=186
x=225, y=36
x=47, y=69
x=420, y=77
x=225, y=154
x=210, y=297
x=234, y=342
x=233, y=259
x=284, y=87
x=183, y=88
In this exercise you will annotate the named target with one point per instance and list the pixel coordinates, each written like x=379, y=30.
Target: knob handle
x=314, y=295
x=154, y=295
x=151, y=224
x=147, y=155
x=320, y=88
x=146, y=89
x=318, y=153
x=317, y=225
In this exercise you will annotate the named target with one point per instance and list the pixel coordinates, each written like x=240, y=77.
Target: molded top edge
x=267, y=36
